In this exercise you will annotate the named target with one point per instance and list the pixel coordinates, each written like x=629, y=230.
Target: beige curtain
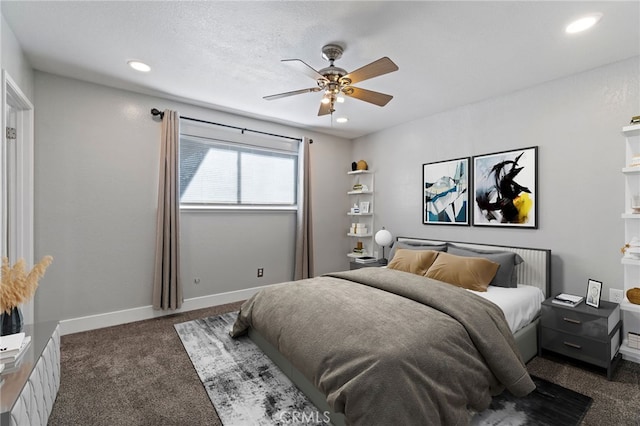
x=304, y=234
x=167, y=289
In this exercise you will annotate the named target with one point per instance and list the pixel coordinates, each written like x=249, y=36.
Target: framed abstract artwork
x=445, y=199
x=505, y=186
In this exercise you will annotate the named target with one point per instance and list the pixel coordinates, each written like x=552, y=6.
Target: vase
x=11, y=322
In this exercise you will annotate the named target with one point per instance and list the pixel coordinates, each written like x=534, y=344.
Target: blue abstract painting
x=446, y=192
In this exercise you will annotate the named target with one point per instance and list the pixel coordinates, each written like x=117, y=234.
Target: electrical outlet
x=260, y=272
x=615, y=295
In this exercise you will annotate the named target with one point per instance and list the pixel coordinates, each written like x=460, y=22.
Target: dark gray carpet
x=247, y=388
x=139, y=374
x=135, y=374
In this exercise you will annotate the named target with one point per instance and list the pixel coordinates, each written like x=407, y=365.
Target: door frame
x=17, y=230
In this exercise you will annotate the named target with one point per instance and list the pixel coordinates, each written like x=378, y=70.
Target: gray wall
x=575, y=121
x=14, y=61
x=97, y=154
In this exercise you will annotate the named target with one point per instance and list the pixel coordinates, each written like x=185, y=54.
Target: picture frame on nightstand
x=594, y=290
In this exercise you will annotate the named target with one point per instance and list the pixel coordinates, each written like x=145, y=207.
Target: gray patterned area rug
x=548, y=405
x=244, y=385
x=246, y=388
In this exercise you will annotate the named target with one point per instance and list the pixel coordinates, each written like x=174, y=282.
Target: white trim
x=108, y=319
x=185, y=208
x=21, y=244
x=4, y=176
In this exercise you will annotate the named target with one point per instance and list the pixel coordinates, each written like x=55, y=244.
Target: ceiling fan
x=335, y=80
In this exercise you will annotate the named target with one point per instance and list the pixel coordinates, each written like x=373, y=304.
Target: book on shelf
x=366, y=259
x=569, y=300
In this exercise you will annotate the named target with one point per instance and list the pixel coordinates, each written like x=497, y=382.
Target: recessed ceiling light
x=583, y=23
x=342, y=120
x=139, y=66
x=340, y=99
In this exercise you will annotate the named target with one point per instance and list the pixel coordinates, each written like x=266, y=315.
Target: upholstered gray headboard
x=534, y=271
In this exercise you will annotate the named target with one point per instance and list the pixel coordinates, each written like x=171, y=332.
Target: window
x=216, y=172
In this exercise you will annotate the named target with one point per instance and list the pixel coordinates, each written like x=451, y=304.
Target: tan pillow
x=414, y=261
x=473, y=273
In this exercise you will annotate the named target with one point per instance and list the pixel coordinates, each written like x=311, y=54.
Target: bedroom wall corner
x=14, y=61
x=96, y=192
x=576, y=121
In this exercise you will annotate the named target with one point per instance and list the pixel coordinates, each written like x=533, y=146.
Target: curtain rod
x=157, y=112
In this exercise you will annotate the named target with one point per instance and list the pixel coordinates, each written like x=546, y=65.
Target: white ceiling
x=226, y=55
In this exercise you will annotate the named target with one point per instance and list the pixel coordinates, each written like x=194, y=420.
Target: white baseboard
x=92, y=322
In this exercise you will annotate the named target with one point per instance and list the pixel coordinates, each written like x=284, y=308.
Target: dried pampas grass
x=16, y=286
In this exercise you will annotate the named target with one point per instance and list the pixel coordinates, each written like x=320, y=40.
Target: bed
x=358, y=342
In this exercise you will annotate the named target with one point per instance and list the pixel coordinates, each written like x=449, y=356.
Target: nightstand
x=584, y=333
x=355, y=265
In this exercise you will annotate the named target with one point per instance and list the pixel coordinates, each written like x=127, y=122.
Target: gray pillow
x=506, y=275
x=415, y=245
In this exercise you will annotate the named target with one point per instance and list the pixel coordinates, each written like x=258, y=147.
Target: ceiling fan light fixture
x=335, y=81
x=583, y=23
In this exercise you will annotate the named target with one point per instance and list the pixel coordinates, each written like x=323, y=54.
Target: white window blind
x=216, y=172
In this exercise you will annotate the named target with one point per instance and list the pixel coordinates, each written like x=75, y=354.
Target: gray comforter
x=388, y=347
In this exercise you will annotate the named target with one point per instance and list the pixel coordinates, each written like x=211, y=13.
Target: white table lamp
x=383, y=239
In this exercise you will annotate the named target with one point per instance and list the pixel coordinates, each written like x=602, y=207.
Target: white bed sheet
x=520, y=305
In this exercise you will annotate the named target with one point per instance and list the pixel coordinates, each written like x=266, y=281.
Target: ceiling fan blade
x=374, y=69
x=295, y=92
x=370, y=96
x=324, y=109
x=304, y=68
